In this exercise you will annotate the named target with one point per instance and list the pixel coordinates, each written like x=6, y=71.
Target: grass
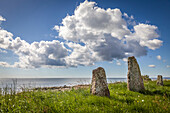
x=155, y=99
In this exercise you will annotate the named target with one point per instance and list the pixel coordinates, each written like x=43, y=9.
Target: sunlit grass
x=154, y=99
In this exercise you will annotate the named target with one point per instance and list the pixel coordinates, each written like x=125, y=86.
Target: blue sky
x=35, y=20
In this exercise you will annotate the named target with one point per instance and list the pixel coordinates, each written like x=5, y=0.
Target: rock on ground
x=134, y=78
x=99, y=85
x=159, y=80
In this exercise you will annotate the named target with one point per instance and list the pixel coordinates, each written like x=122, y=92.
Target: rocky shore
x=66, y=88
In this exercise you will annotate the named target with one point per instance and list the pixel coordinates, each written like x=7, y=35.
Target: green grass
x=155, y=99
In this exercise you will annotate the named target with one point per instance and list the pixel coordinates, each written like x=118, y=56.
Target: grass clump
x=154, y=99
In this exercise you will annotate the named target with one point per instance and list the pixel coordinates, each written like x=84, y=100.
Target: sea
x=20, y=83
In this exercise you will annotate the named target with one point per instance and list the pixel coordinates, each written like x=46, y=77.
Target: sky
x=70, y=38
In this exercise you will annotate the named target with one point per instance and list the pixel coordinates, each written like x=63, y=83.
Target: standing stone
x=99, y=83
x=134, y=78
x=159, y=80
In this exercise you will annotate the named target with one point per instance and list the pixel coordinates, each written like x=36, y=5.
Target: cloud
x=125, y=59
x=145, y=31
x=129, y=19
x=3, y=51
x=158, y=57
x=38, y=54
x=152, y=44
x=92, y=34
x=111, y=39
x=2, y=19
x=125, y=15
x=168, y=66
x=145, y=35
x=5, y=39
x=118, y=63
x=5, y=64
x=86, y=21
x=80, y=55
x=152, y=66
x=34, y=55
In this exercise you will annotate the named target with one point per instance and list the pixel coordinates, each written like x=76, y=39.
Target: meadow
x=155, y=99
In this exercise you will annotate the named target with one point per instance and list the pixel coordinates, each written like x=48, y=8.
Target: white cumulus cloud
x=145, y=35
x=34, y=55
x=92, y=34
x=105, y=33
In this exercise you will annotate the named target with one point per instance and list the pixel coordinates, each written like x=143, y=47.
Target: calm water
x=49, y=82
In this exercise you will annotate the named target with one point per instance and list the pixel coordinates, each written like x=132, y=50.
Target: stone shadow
x=156, y=92
x=128, y=101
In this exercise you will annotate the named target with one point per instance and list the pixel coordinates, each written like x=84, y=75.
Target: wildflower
x=138, y=96
x=9, y=99
x=142, y=100
x=137, y=101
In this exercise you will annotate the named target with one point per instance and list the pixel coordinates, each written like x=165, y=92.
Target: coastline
x=66, y=88
x=79, y=86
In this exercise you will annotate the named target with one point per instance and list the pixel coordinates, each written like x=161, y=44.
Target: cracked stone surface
x=159, y=80
x=99, y=85
x=134, y=78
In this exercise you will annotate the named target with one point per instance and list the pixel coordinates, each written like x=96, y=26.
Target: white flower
x=142, y=100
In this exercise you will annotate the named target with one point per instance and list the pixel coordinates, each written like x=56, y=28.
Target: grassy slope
x=154, y=99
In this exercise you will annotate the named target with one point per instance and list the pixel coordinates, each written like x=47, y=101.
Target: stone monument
x=159, y=80
x=134, y=78
x=99, y=85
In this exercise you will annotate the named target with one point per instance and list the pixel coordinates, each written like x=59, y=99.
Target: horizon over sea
x=52, y=82
x=49, y=82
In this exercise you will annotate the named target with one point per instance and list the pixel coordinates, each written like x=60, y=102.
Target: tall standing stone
x=134, y=78
x=159, y=80
x=99, y=85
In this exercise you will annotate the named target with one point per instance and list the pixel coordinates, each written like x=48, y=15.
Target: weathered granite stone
x=134, y=78
x=159, y=80
x=99, y=83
